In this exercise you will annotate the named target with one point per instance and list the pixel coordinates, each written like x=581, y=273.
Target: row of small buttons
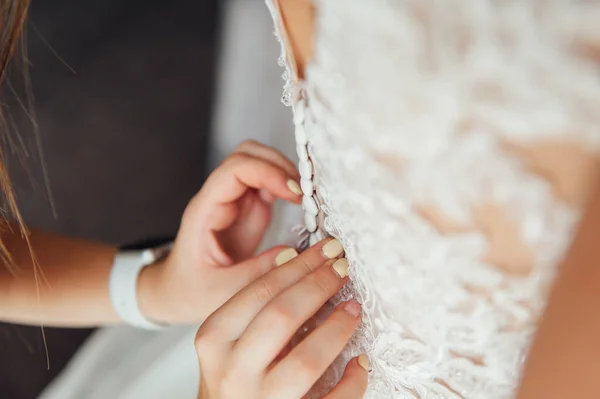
x=310, y=202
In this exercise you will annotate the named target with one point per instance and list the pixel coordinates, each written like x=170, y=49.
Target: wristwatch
x=123, y=283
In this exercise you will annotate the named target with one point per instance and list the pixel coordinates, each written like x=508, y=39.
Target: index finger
x=233, y=318
x=269, y=154
x=242, y=171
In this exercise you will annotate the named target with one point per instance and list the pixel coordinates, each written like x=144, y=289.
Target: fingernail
x=285, y=256
x=363, y=360
x=333, y=249
x=353, y=308
x=294, y=187
x=340, y=266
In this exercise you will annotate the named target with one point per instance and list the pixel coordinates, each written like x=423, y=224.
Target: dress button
x=306, y=169
x=299, y=112
x=302, y=152
x=307, y=186
x=310, y=205
x=310, y=221
x=301, y=137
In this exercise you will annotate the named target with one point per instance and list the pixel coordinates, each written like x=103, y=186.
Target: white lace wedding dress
x=421, y=127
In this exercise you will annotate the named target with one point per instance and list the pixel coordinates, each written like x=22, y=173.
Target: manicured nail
x=285, y=256
x=333, y=249
x=340, y=266
x=363, y=360
x=353, y=308
x=294, y=187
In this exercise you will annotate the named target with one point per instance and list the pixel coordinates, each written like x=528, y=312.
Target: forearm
x=70, y=289
x=564, y=360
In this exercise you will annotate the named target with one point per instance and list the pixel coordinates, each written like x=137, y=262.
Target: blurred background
x=135, y=101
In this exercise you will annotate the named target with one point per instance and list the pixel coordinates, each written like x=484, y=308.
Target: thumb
x=252, y=269
x=246, y=233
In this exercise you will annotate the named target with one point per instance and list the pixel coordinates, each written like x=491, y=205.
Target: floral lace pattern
x=413, y=102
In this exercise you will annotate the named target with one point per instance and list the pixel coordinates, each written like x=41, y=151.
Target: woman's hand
x=221, y=229
x=243, y=348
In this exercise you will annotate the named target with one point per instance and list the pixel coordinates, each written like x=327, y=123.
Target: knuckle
x=248, y=144
x=341, y=325
x=235, y=158
x=324, y=282
x=279, y=315
x=305, y=367
x=264, y=292
x=201, y=345
x=205, y=337
x=306, y=265
x=194, y=205
x=200, y=342
x=190, y=209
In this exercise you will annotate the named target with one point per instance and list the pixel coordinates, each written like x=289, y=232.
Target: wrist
x=152, y=295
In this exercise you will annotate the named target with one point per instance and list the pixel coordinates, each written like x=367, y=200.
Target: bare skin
x=298, y=17
x=564, y=356
x=244, y=347
x=212, y=258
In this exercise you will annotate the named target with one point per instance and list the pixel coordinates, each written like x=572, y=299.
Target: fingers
x=241, y=239
x=303, y=366
x=256, y=166
x=232, y=319
x=244, y=273
x=231, y=181
x=353, y=384
x=241, y=171
x=252, y=167
x=210, y=334
x=268, y=154
x=276, y=324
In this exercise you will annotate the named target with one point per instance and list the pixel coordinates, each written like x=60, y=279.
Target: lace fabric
x=417, y=102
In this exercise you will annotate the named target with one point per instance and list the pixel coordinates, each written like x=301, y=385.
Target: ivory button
x=299, y=112
x=306, y=169
x=301, y=137
x=302, y=152
x=310, y=222
x=310, y=205
x=307, y=186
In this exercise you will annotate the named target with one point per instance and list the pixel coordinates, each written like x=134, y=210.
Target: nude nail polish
x=363, y=361
x=340, y=266
x=333, y=249
x=353, y=308
x=294, y=187
x=285, y=256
